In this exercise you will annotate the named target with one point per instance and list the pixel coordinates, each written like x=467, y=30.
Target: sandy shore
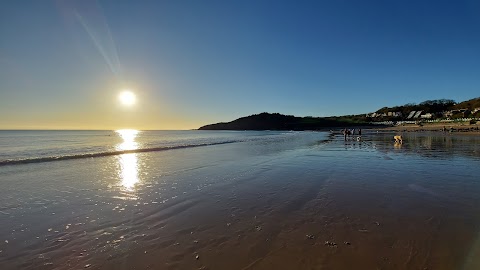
x=459, y=128
x=305, y=200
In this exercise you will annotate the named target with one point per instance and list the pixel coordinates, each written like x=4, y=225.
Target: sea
x=131, y=199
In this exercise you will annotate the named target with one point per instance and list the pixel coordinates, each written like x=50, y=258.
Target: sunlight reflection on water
x=128, y=162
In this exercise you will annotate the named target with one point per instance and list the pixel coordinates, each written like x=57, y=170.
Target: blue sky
x=190, y=63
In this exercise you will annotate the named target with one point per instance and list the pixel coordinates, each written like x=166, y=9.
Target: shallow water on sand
x=252, y=204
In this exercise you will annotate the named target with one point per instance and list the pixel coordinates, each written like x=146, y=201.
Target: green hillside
x=469, y=104
x=435, y=107
x=276, y=121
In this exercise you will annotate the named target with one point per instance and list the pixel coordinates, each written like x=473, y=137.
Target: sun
x=127, y=98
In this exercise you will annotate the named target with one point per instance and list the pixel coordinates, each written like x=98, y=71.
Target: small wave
x=105, y=154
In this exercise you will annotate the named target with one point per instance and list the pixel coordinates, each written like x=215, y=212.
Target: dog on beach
x=398, y=139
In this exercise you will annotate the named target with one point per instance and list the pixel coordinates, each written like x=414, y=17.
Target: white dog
x=398, y=139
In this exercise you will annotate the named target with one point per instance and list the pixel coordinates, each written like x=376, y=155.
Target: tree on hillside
x=437, y=105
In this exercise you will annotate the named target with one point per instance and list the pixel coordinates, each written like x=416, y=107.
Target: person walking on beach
x=346, y=133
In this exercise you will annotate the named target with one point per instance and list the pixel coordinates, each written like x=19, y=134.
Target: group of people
x=351, y=132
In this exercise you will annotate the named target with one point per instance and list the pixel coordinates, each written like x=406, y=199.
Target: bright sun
x=127, y=98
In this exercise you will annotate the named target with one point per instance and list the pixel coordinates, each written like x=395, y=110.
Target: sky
x=191, y=63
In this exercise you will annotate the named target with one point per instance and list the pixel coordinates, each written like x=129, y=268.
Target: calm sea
x=238, y=200
x=42, y=146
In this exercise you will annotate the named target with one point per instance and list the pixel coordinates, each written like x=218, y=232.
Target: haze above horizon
x=65, y=64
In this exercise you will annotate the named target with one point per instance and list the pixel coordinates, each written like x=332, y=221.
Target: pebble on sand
x=330, y=244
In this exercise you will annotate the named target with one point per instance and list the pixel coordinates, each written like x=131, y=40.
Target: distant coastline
x=276, y=121
x=416, y=114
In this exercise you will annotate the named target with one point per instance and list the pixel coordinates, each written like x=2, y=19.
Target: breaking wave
x=105, y=154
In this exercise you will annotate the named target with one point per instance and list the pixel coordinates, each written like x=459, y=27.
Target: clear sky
x=190, y=63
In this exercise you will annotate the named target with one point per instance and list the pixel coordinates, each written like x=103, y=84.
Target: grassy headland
x=276, y=121
x=427, y=111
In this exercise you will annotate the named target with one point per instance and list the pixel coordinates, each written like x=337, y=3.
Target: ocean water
x=42, y=146
x=238, y=200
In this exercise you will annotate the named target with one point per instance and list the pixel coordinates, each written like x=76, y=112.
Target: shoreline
x=293, y=202
x=457, y=128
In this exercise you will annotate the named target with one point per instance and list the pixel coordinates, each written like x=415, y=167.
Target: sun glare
x=129, y=161
x=127, y=98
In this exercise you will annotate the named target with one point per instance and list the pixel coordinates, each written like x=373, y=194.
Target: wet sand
x=329, y=205
x=458, y=128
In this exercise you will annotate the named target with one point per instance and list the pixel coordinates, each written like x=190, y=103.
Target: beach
x=247, y=200
x=459, y=128
x=239, y=135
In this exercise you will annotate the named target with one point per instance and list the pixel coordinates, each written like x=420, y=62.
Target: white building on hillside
x=426, y=116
